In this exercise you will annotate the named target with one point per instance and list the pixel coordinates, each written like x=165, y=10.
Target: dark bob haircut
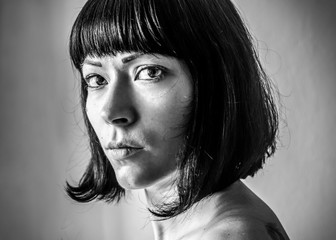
x=234, y=121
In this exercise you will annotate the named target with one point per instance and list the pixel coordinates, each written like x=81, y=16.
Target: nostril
x=120, y=121
x=118, y=115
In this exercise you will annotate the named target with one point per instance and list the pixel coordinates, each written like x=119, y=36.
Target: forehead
x=124, y=58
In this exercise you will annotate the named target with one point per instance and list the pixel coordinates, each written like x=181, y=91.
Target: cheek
x=93, y=115
x=171, y=112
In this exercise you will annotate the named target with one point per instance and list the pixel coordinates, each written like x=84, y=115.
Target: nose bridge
x=117, y=107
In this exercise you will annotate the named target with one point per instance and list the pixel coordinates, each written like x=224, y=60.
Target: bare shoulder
x=239, y=229
x=242, y=215
x=234, y=214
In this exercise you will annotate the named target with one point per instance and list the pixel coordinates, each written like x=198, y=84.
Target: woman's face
x=138, y=105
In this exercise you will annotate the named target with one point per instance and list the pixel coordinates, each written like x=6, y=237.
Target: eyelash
x=94, y=76
x=162, y=73
x=140, y=70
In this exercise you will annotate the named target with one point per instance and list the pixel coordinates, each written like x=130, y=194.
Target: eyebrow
x=91, y=62
x=123, y=60
x=131, y=57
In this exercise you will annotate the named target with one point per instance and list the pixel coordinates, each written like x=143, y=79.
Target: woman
x=176, y=103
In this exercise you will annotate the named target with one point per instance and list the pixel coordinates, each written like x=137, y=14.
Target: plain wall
x=42, y=141
x=297, y=47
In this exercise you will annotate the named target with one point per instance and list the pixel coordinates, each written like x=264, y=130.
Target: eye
x=95, y=81
x=150, y=73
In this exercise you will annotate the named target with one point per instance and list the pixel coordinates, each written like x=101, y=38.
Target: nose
x=118, y=105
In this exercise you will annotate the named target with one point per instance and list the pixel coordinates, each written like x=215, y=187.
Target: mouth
x=122, y=151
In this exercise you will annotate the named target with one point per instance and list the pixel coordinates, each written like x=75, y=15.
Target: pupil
x=100, y=80
x=153, y=72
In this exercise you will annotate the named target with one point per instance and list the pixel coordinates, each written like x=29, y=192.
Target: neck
x=194, y=219
x=171, y=228
x=176, y=227
x=185, y=223
x=163, y=192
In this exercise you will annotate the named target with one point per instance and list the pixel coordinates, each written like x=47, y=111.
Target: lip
x=123, y=149
x=123, y=153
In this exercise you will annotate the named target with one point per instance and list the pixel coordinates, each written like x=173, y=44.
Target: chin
x=130, y=179
x=134, y=184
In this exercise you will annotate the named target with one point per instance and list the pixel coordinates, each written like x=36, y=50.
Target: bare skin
x=236, y=213
x=137, y=104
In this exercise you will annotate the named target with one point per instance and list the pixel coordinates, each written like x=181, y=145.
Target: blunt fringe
x=234, y=121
